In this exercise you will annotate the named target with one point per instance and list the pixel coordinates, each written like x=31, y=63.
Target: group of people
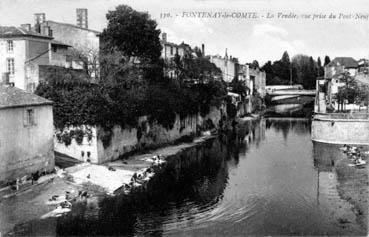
x=69, y=198
x=139, y=178
x=355, y=154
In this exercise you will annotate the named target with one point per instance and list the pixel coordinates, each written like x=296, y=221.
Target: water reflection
x=268, y=179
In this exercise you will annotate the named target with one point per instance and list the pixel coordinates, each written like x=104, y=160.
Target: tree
x=285, y=58
x=352, y=91
x=320, y=68
x=133, y=33
x=88, y=57
x=306, y=70
x=254, y=64
x=198, y=51
x=327, y=60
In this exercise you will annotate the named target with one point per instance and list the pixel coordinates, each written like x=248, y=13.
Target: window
x=10, y=45
x=29, y=117
x=171, y=50
x=10, y=65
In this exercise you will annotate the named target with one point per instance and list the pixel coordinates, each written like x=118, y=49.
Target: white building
x=228, y=66
x=22, y=51
x=26, y=134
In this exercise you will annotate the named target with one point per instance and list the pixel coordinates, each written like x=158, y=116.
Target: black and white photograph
x=184, y=118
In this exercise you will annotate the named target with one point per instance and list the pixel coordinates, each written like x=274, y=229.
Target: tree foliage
x=132, y=82
x=327, y=60
x=133, y=33
x=302, y=69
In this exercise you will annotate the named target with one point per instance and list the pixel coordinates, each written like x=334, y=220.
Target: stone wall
x=25, y=149
x=110, y=145
x=340, y=131
x=87, y=150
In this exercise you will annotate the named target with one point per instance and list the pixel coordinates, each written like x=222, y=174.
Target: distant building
x=26, y=134
x=258, y=78
x=85, y=42
x=228, y=65
x=168, y=53
x=339, y=65
x=23, y=50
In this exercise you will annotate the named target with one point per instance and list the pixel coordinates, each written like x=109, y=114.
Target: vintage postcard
x=184, y=118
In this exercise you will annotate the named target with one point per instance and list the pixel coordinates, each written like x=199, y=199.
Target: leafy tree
x=306, y=70
x=239, y=87
x=254, y=64
x=285, y=58
x=268, y=68
x=320, y=68
x=327, y=60
x=352, y=91
x=133, y=33
x=198, y=52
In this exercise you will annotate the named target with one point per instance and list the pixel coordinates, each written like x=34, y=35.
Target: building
x=339, y=65
x=84, y=42
x=26, y=134
x=228, y=65
x=23, y=50
x=169, y=52
x=258, y=79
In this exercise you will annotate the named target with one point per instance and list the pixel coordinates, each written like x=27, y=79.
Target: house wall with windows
x=12, y=61
x=228, y=66
x=26, y=135
x=27, y=54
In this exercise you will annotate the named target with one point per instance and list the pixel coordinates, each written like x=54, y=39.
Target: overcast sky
x=262, y=39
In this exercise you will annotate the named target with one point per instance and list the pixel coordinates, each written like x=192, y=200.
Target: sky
x=248, y=39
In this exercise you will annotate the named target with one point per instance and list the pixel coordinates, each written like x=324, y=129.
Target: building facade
x=258, y=79
x=84, y=42
x=26, y=134
x=339, y=65
x=228, y=65
x=168, y=54
x=23, y=50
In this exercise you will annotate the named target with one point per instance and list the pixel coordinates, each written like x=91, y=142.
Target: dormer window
x=9, y=46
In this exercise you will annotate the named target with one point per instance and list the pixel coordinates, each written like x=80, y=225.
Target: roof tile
x=14, y=97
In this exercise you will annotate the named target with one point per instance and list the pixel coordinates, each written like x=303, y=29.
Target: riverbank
x=354, y=186
x=43, y=198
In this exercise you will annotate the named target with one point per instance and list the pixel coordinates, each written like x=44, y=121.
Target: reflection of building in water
x=325, y=155
x=300, y=126
x=251, y=131
x=328, y=197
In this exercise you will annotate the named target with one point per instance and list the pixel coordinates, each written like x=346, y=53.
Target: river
x=270, y=180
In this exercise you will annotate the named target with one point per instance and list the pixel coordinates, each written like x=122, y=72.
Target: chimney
x=82, y=17
x=39, y=19
x=203, y=50
x=164, y=37
x=27, y=27
x=46, y=30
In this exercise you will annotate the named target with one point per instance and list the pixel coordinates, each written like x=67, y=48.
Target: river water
x=270, y=180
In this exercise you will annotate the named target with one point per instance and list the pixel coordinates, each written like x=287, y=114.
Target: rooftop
x=347, y=62
x=14, y=97
x=12, y=31
x=71, y=25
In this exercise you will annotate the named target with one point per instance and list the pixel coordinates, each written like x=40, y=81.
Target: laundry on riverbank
x=356, y=155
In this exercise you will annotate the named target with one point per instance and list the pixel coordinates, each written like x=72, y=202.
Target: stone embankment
x=353, y=181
